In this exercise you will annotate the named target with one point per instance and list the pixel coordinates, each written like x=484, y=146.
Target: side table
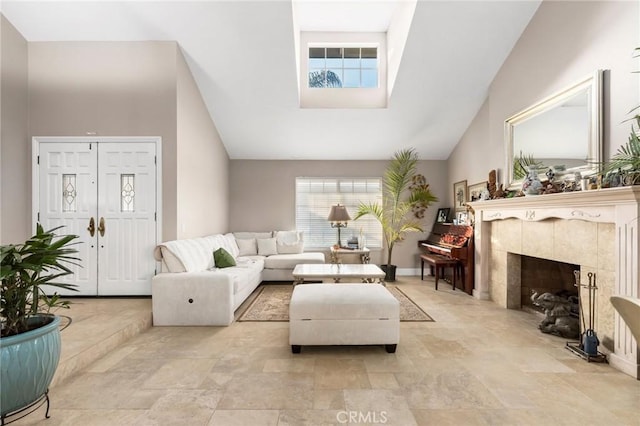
x=336, y=254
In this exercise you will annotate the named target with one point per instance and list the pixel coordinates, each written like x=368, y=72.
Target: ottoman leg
x=390, y=348
x=295, y=349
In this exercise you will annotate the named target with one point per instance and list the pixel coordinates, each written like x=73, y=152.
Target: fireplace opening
x=547, y=289
x=539, y=276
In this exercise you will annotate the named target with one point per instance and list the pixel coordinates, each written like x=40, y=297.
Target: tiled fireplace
x=596, y=230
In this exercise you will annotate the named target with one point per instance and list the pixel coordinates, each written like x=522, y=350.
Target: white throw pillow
x=247, y=247
x=289, y=242
x=231, y=245
x=249, y=235
x=171, y=261
x=267, y=246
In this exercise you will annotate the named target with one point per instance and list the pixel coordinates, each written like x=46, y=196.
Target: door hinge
x=155, y=216
x=90, y=146
x=38, y=216
x=155, y=272
x=155, y=159
x=38, y=159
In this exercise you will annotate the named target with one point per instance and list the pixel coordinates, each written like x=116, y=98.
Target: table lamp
x=338, y=216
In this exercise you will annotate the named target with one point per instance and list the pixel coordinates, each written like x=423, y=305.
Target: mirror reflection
x=562, y=132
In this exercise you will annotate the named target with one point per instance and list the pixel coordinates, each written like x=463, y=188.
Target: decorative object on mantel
x=475, y=191
x=531, y=184
x=522, y=165
x=500, y=193
x=491, y=183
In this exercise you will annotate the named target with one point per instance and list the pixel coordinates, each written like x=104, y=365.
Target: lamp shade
x=338, y=213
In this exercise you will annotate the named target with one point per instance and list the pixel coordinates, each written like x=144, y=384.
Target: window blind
x=314, y=198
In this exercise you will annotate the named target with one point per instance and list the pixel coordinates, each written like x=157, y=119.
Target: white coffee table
x=366, y=272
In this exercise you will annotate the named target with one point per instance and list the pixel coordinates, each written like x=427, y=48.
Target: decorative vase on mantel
x=531, y=184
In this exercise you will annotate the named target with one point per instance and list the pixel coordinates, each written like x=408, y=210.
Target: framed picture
x=460, y=195
x=462, y=218
x=475, y=191
x=443, y=215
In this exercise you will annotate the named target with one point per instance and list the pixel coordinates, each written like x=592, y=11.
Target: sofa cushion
x=231, y=245
x=256, y=262
x=267, y=246
x=343, y=302
x=289, y=261
x=171, y=261
x=243, y=276
x=194, y=254
x=247, y=246
x=223, y=258
x=289, y=242
x=249, y=235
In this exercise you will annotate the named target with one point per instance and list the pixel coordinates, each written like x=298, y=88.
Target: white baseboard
x=407, y=272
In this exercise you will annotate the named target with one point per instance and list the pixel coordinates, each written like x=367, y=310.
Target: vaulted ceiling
x=242, y=56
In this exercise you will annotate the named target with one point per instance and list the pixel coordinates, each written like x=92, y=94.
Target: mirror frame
x=593, y=83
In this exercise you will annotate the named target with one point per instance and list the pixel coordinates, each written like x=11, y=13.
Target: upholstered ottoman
x=343, y=314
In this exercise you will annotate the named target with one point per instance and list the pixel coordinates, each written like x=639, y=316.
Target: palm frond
x=627, y=157
x=521, y=164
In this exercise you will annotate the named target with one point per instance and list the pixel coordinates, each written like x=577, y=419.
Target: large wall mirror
x=563, y=132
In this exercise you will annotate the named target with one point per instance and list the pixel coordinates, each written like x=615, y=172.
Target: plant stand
x=25, y=411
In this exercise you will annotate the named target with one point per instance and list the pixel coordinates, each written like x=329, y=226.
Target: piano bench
x=438, y=263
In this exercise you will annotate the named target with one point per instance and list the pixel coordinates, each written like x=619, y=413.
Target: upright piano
x=456, y=242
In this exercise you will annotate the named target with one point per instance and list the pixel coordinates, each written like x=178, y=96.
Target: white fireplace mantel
x=620, y=206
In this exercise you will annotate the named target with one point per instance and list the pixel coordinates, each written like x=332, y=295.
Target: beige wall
x=564, y=42
x=15, y=160
x=112, y=89
x=202, y=163
x=262, y=195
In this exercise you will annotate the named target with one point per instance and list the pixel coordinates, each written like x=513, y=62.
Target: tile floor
x=478, y=364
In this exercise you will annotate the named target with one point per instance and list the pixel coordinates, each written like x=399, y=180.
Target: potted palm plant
x=626, y=160
x=400, y=197
x=29, y=333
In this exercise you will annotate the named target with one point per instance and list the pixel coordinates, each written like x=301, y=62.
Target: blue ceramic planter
x=28, y=362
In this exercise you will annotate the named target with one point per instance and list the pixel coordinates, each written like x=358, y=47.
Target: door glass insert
x=69, y=193
x=127, y=188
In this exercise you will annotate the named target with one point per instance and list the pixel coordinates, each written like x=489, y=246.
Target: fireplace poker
x=576, y=273
x=590, y=339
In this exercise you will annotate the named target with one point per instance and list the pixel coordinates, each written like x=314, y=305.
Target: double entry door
x=106, y=193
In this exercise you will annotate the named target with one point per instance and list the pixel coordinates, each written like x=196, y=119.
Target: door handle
x=101, y=227
x=92, y=227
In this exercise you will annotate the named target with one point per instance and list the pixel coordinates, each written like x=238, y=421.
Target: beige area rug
x=272, y=304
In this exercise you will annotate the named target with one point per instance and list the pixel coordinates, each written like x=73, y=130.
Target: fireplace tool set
x=587, y=347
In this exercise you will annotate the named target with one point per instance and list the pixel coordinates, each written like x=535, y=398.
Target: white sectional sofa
x=193, y=290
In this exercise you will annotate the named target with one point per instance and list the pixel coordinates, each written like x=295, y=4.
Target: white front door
x=104, y=192
x=67, y=197
x=126, y=212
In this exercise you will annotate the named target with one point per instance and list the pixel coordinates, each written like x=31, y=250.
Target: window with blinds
x=314, y=198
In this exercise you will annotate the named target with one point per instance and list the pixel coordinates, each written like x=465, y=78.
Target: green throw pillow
x=223, y=259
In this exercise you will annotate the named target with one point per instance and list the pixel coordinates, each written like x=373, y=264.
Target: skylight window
x=343, y=67
x=348, y=53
